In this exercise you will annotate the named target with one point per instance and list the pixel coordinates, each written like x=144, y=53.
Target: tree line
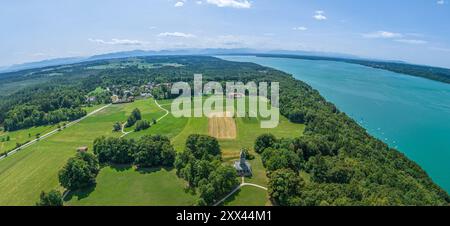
x=80, y=172
x=200, y=164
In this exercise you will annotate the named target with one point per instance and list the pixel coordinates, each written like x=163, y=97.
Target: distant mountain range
x=138, y=53
x=429, y=72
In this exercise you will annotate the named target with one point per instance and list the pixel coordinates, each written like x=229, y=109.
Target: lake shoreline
x=406, y=112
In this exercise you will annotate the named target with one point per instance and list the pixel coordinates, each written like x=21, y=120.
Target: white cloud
x=116, y=41
x=320, y=12
x=179, y=4
x=440, y=49
x=299, y=28
x=320, y=15
x=408, y=38
x=412, y=41
x=440, y=2
x=383, y=34
x=239, y=4
x=176, y=34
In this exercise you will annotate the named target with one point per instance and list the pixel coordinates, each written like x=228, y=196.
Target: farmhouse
x=116, y=100
x=91, y=99
x=243, y=167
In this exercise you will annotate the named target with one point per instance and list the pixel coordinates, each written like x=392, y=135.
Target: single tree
x=79, y=172
x=264, y=141
x=117, y=127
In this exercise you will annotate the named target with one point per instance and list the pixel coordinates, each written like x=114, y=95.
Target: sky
x=415, y=31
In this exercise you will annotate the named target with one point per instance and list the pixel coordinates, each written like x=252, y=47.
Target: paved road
x=52, y=132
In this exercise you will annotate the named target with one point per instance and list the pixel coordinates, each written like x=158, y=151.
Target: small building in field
x=243, y=167
x=82, y=149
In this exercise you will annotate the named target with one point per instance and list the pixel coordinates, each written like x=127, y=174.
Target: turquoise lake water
x=408, y=113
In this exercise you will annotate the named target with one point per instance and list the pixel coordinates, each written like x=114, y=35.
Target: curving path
x=157, y=120
x=123, y=131
x=243, y=184
x=167, y=111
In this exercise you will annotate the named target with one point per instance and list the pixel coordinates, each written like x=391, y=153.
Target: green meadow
x=127, y=186
x=21, y=137
x=248, y=196
x=35, y=168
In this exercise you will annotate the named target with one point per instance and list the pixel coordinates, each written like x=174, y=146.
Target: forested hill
x=338, y=162
x=433, y=73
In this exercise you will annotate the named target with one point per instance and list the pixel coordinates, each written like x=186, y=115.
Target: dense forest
x=41, y=106
x=433, y=73
x=336, y=162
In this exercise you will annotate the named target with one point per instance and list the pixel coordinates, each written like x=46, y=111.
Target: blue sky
x=417, y=31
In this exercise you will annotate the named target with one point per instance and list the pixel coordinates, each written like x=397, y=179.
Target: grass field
x=24, y=175
x=149, y=111
x=22, y=136
x=248, y=129
x=25, y=135
x=248, y=196
x=155, y=187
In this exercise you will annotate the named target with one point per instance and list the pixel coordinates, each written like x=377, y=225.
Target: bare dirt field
x=221, y=125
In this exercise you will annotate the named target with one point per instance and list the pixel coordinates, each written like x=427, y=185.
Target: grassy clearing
x=126, y=186
x=248, y=196
x=24, y=175
x=248, y=129
x=149, y=111
x=169, y=126
x=193, y=126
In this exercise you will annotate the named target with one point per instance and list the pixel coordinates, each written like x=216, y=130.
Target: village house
x=91, y=99
x=114, y=99
x=149, y=86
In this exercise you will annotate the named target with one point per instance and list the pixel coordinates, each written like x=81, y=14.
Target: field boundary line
x=52, y=132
